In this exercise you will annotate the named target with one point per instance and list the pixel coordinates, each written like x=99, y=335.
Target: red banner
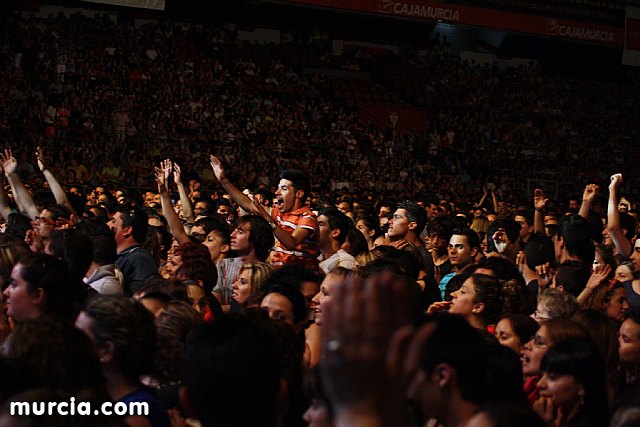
x=545, y=26
x=631, y=54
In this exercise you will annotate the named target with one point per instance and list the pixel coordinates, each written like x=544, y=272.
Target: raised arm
x=289, y=241
x=238, y=196
x=187, y=207
x=5, y=207
x=21, y=195
x=539, y=204
x=622, y=244
x=588, y=196
x=367, y=335
x=484, y=195
x=494, y=200
x=173, y=220
x=57, y=190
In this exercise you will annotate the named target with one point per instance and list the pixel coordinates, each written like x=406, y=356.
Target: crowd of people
x=197, y=227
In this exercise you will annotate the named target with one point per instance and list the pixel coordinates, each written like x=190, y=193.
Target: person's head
x=40, y=284
x=463, y=247
x=252, y=232
x=539, y=250
x=524, y=218
x=214, y=234
x=551, y=332
x=12, y=248
x=327, y=288
x=17, y=225
x=574, y=239
x=293, y=190
x=355, y=244
x=515, y=330
x=628, y=225
x=451, y=364
x=610, y=299
x=189, y=251
x=369, y=227
x=629, y=340
x=123, y=334
x=285, y=303
x=241, y=359
x=574, y=376
x=478, y=300
x=202, y=207
x=439, y=232
x=571, y=277
x=603, y=332
x=173, y=324
x=307, y=281
x=624, y=272
x=604, y=256
x=635, y=256
x=250, y=279
x=201, y=271
x=408, y=217
x=75, y=248
x=57, y=355
x=512, y=231
x=333, y=227
x=553, y=303
x=129, y=225
x=385, y=209
x=223, y=208
x=49, y=218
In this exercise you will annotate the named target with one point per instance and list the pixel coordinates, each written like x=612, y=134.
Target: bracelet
x=539, y=210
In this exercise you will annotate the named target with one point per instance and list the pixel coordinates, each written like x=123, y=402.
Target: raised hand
x=590, y=193
x=439, y=306
x=616, y=180
x=361, y=323
x=521, y=261
x=399, y=244
x=9, y=163
x=177, y=174
x=501, y=240
x=599, y=275
x=218, y=170
x=539, y=199
x=545, y=408
x=162, y=174
x=40, y=159
x=545, y=274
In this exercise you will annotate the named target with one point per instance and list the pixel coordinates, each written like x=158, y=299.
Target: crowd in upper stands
x=197, y=226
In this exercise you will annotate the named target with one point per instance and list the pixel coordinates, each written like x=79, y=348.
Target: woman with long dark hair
x=573, y=390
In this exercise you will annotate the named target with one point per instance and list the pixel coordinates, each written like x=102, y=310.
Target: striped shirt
x=306, y=253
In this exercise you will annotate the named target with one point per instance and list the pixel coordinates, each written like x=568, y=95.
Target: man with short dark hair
x=251, y=240
x=293, y=223
x=129, y=225
x=524, y=217
x=464, y=245
x=333, y=227
x=573, y=241
x=233, y=374
x=407, y=224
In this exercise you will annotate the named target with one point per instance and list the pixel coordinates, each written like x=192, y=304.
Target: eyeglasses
x=44, y=220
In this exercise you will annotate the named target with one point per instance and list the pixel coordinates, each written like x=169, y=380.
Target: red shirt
x=306, y=253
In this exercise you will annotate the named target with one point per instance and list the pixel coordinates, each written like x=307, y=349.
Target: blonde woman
x=250, y=279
